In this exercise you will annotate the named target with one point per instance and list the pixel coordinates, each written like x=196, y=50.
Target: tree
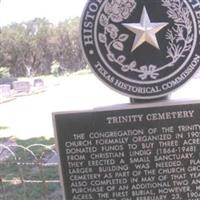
x=10, y=48
x=24, y=47
x=30, y=48
x=68, y=51
x=74, y=34
x=37, y=55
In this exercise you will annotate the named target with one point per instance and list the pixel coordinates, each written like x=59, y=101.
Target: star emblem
x=145, y=30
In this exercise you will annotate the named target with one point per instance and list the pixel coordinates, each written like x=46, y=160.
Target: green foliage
x=3, y=127
x=30, y=48
x=11, y=170
x=40, y=140
x=4, y=72
x=55, y=69
x=85, y=71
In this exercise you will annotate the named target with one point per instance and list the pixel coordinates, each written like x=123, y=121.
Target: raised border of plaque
x=142, y=49
x=130, y=152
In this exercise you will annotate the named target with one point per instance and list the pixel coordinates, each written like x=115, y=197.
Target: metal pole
x=22, y=180
x=2, y=189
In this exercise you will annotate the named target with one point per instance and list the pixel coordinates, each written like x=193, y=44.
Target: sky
x=24, y=10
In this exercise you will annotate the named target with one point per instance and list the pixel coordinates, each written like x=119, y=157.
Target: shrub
x=4, y=72
x=55, y=69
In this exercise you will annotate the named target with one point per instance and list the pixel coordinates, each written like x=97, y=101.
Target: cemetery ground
x=25, y=178
x=27, y=120
x=30, y=116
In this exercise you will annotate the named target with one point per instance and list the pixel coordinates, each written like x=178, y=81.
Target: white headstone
x=22, y=86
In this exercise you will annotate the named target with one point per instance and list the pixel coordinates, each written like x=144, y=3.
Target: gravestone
x=148, y=149
x=22, y=86
x=5, y=90
x=38, y=82
x=7, y=81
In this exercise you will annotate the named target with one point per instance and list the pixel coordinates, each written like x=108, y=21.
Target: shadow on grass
x=3, y=127
x=27, y=142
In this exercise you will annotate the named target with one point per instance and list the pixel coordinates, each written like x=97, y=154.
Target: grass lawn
x=31, y=116
x=15, y=173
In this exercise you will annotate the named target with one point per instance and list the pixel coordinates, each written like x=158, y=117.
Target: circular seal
x=144, y=49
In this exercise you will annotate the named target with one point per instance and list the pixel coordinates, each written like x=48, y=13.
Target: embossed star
x=145, y=30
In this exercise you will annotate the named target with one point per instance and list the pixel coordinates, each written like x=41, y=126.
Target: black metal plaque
x=144, y=49
x=146, y=153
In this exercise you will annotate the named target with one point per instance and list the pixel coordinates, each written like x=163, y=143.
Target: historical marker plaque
x=146, y=152
x=144, y=49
